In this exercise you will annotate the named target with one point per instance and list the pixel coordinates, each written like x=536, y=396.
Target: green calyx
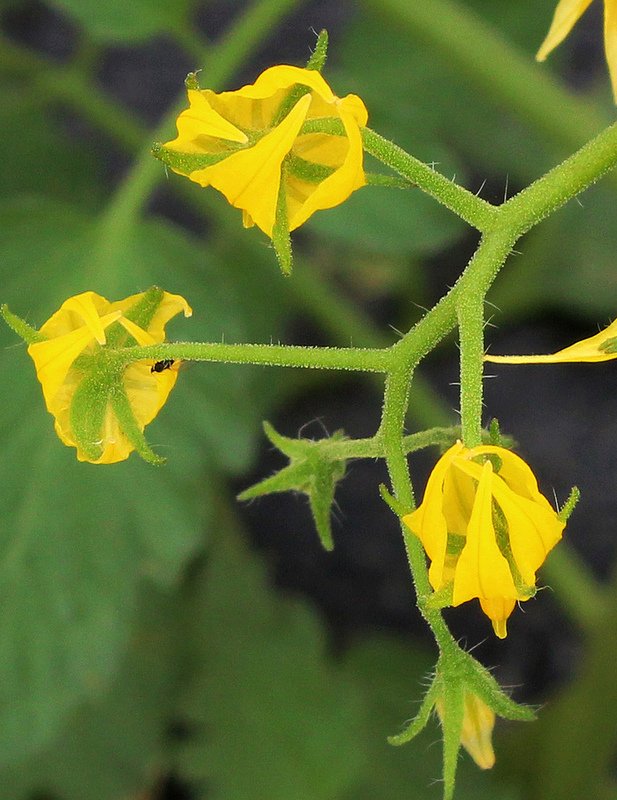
x=101, y=389
x=456, y=676
x=309, y=471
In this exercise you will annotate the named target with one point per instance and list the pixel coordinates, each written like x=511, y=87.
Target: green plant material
x=42, y=160
x=382, y=221
x=71, y=567
x=115, y=20
x=78, y=540
x=311, y=472
x=273, y=718
x=61, y=252
x=551, y=277
x=388, y=669
x=112, y=745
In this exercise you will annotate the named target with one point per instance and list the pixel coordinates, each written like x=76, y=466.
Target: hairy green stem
x=465, y=204
x=362, y=360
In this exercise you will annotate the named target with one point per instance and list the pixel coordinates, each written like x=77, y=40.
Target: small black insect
x=160, y=366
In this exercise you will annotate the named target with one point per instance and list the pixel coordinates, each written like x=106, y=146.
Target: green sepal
x=419, y=722
x=458, y=673
x=186, y=163
x=310, y=472
x=88, y=407
x=333, y=126
x=568, y=507
x=318, y=58
x=308, y=171
x=128, y=424
x=316, y=62
x=441, y=598
x=281, y=240
x=494, y=433
x=141, y=313
x=26, y=332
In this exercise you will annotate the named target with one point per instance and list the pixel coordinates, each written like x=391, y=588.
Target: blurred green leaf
x=389, y=221
x=117, y=20
x=111, y=746
x=392, y=675
x=43, y=160
x=276, y=719
x=78, y=538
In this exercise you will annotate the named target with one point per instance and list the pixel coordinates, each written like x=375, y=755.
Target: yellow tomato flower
x=566, y=15
x=476, y=730
x=99, y=410
x=595, y=348
x=486, y=529
x=269, y=136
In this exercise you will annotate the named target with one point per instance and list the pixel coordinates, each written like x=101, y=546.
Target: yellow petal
x=141, y=336
x=428, y=521
x=82, y=309
x=566, y=15
x=348, y=177
x=53, y=358
x=514, y=471
x=533, y=529
x=83, y=305
x=284, y=76
x=498, y=610
x=250, y=179
x=200, y=121
x=610, y=41
x=585, y=350
x=482, y=571
x=477, y=730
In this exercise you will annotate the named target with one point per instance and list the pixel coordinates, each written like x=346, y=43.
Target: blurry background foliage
x=158, y=641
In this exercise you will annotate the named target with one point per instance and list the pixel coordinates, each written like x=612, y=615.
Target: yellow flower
x=272, y=135
x=486, y=529
x=101, y=408
x=477, y=729
x=567, y=14
x=595, y=348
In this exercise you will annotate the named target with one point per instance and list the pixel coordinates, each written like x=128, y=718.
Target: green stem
x=362, y=360
x=470, y=313
x=396, y=398
x=466, y=205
